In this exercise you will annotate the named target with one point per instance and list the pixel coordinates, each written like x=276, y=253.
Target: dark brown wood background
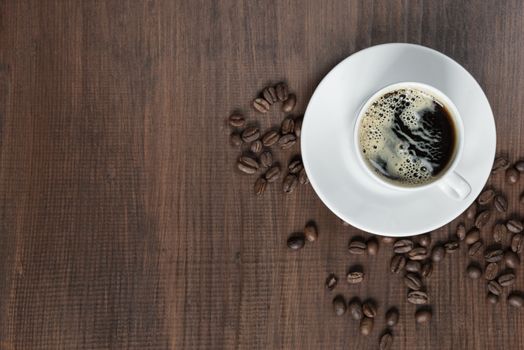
x=123, y=223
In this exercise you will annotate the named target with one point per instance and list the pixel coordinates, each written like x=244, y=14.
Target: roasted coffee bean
x=514, y=226
x=355, y=277
x=492, y=298
x=287, y=126
x=270, y=95
x=261, y=105
x=270, y=138
x=494, y=287
x=475, y=248
x=366, y=326
x=418, y=253
x=424, y=240
x=256, y=147
x=289, y=104
x=302, y=177
x=511, y=259
x=521, y=199
x=519, y=165
x=482, y=218
x=451, y=246
x=282, y=91
x=512, y=176
x=247, y=165
x=427, y=269
x=250, y=134
x=392, y=317
x=438, y=253
x=260, y=186
x=272, y=174
x=493, y=255
x=295, y=166
x=471, y=212
x=500, y=163
x=499, y=232
x=397, y=263
x=413, y=266
x=369, y=309
x=296, y=241
x=388, y=240
x=235, y=139
x=472, y=236
x=418, y=297
x=287, y=141
x=501, y=203
x=507, y=279
x=357, y=247
x=372, y=246
x=423, y=316
x=339, y=305
x=412, y=281
x=237, y=120
x=311, y=232
x=517, y=242
x=355, y=309
x=486, y=197
x=403, y=246
x=290, y=183
x=516, y=299
x=461, y=232
x=266, y=159
x=386, y=341
x=492, y=270
x=331, y=281
x=298, y=127
x=474, y=271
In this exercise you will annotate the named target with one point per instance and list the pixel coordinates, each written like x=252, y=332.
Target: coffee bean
x=412, y=281
x=471, y=212
x=270, y=95
x=266, y=159
x=287, y=141
x=413, y=266
x=418, y=253
x=392, y=317
x=427, y=269
x=474, y=271
x=388, y=240
x=296, y=241
x=418, y=297
x=295, y=166
x=519, y=165
x=366, y=326
x=512, y=176
x=493, y=255
x=451, y=246
x=355, y=309
x=339, y=305
x=507, y=279
x=270, y=138
x=237, y=120
x=472, y=236
x=272, y=174
x=282, y=91
x=369, y=309
x=247, y=165
x=261, y=105
x=486, y=197
x=423, y=316
x=424, y=240
x=492, y=270
x=517, y=242
x=357, y=247
x=397, y=263
x=500, y=163
x=250, y=134
x=302, y=177
x=403, y=246
x=260, y=186
x=516, y=299
x=511, y=259
x=499, y=232
x=287, y=126
x=311, y=232
x=289, y=104
x=501, y=203
x=461, y=232
x=355, y=277
x=438, y=253
x=331, y=281
x=235, y=139
x=514, y=226
x=492, y=298
x=372, y=246
x=298, y=127
x=482, y=218
x=386, y=341
x=494, y=287
x=521, y=198
x=290, y=183
x=256, y=147
x=475, y=248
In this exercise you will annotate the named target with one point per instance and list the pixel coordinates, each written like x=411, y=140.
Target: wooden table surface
x=123, y=221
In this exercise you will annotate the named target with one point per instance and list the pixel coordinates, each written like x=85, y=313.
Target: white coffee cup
x=449, y=181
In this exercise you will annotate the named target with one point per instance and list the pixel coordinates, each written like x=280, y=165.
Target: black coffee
x=407, y=137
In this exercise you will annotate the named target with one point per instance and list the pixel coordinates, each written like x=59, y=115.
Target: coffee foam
x=392, y=155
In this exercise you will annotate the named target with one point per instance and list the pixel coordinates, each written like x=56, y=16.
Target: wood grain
x=124, y=224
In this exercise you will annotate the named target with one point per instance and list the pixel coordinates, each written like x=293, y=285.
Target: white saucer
x=328, y=150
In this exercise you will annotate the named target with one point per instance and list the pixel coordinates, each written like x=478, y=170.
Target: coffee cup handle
x=455, y=186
